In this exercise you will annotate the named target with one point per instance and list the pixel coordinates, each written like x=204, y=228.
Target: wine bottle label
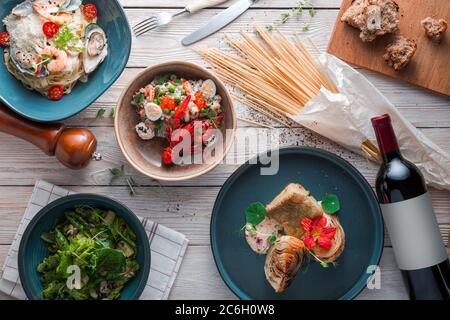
x=414, y=233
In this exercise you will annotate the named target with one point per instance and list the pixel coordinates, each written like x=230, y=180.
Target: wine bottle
x=410, y=221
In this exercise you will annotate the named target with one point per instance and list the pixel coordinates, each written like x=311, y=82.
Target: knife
x=218, y=22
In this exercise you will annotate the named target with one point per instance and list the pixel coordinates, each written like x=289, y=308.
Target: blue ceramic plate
x=36, y=107
x=320, y=172
x=33, y=249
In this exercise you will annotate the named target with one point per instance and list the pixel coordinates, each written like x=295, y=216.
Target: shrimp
x=59, y=59
x=60, y=19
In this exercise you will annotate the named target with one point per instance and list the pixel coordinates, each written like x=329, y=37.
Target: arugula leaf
x=330, y=203
x=255, y=213
x=110, y=260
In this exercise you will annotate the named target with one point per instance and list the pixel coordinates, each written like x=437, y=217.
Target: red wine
x=410, y=220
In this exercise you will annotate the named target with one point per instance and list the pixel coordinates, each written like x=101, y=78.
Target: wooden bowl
x=145, y=156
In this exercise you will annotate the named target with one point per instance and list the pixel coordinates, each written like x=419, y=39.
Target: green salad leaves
x=100, y=244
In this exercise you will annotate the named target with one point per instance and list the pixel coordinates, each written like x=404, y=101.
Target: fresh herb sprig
x=295, y=12
x=67, y=40
x=101, y=112
x=324, y=264
x=119, y=172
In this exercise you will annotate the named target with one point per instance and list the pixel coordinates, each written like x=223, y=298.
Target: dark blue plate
x=33, y=249
x=36, y=107
x=320, y=172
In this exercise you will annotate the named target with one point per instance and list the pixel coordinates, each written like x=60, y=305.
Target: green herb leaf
x=273, y=237
x=100, y=113
x=285, y=17
x=324, y=264
x=255, y=213
x=253, y=230
x=117, y=172
x=312, y=12
x=66, y=39
x=110, y=260
x=113, y=113
x=330, y=203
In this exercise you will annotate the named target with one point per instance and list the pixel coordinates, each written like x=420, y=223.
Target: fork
x=163, y=18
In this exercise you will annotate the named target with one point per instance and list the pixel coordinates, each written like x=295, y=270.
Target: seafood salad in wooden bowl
x=50, y=45
x=169, y=103
x=175, y=121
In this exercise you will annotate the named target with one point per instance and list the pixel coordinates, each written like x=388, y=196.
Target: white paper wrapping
x=345, y=118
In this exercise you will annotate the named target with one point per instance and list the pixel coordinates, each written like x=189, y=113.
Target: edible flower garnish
x=317, y=232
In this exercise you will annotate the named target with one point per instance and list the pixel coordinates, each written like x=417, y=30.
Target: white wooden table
x=187, y=206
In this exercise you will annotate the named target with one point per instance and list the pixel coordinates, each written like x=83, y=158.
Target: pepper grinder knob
x=73, y=147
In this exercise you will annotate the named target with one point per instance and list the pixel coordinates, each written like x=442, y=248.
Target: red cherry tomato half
x=55, y=93
x=167, y=156
x=50, y=29
x=90, y=11
x=4, y=39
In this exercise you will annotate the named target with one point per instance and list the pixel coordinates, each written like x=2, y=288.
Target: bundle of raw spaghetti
x=277, y=77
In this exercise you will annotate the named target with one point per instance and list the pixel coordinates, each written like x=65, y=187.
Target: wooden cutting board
x=430, y=66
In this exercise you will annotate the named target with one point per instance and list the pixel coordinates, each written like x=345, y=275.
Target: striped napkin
x=167, y=246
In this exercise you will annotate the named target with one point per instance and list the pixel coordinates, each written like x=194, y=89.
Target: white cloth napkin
x=167, y=246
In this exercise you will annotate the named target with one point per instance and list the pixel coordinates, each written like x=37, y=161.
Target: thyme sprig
x=119, y=172
x=295, y=12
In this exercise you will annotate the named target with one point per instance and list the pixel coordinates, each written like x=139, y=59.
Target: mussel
x=23, y=9
x=23, y=63
x=96, y=47
x=69, y=5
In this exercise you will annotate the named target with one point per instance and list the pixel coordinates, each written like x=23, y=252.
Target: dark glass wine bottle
x=410, y=220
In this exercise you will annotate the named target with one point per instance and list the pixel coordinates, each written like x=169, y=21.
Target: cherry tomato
x=4, y=39
x=167, y=156
x=55, y=93
x=50, y=29
x=90, y=11
x=167, y=103
x=200, y=101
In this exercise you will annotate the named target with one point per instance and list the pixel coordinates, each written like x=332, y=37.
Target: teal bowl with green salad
x=84, y=247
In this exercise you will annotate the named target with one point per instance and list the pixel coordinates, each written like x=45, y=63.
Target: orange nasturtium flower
x=317, y=233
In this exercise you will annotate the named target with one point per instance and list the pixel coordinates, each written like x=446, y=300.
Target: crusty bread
x=291, y=205
x=434, y=29
x=400, y=52
x=373, y=18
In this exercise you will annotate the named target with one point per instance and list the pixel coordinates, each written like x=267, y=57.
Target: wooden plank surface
x=429, y=68
x=172, y=204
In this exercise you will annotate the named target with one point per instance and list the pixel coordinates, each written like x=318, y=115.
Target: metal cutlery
x=163, y=18
x=219, y=21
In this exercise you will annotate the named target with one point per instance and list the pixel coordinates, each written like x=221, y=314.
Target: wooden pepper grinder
x=73, y=147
